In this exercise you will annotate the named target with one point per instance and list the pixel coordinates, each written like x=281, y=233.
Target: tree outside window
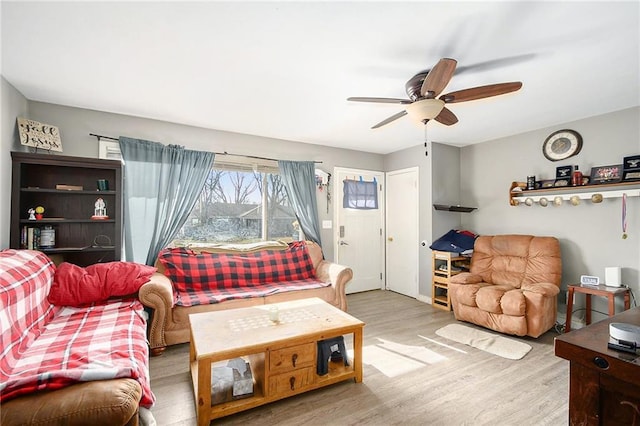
x=240, y=207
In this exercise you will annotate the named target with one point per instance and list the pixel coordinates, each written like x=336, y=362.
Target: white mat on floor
x=483, y=340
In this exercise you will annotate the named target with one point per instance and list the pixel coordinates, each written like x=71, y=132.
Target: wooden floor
x=411, y=377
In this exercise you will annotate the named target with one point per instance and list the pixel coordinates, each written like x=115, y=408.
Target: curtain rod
x=217, y=153
x=103, y=137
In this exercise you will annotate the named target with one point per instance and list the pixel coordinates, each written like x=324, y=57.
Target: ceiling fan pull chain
x=426, y=150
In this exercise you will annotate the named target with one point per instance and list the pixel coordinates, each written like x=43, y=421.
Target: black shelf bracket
x=449, y=208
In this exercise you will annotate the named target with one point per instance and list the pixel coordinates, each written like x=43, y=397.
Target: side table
x=604, y=385
x=600, y=290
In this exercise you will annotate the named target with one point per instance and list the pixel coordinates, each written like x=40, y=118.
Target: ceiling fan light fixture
x=425, y=109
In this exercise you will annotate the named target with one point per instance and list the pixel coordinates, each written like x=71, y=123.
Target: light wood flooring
x=411, y=377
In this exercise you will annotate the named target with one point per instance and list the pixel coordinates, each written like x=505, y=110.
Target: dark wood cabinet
x=79, y=238
x=604, y=384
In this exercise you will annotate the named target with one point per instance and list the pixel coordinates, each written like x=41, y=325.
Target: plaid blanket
x=210, y=296
x=46, y=347
x=205, y=278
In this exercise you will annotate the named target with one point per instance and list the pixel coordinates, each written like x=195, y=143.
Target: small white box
x=612, y=276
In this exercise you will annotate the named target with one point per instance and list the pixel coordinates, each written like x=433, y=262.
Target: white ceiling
x=284, y=69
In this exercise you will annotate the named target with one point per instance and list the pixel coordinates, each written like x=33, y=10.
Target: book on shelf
x=30, y=238
x=69, y=187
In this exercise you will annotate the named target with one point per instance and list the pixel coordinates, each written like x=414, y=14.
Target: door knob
x=390, y=238
x=342, y=243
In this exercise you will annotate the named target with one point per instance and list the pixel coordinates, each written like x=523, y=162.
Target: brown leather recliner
x=512, y=285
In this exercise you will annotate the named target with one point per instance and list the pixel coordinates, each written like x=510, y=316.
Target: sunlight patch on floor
x=393, y=359
x=442, y=344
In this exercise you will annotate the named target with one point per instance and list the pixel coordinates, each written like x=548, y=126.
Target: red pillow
x=75, y=286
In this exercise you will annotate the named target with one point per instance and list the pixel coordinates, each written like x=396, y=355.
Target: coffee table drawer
x=291, y=382
x=288, y=359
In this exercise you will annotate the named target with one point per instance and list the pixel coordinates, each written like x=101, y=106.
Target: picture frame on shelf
x=564, y=172
x=563, y=176
x=631, y=168
x=606, y=174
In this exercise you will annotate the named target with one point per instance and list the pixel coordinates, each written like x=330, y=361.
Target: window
x=359, y=194
x=241, y=202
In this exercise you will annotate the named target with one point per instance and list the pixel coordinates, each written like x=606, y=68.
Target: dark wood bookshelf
x=68, y=211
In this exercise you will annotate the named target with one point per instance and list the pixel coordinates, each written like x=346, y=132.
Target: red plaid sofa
x=226, y=277
x=63, y=364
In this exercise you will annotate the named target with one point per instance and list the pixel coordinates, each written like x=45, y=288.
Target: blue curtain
x=161, y=186
x=300, y=181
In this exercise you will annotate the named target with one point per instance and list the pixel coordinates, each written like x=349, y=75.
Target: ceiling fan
x=423, y=88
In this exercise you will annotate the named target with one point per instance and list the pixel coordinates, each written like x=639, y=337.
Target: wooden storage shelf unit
x=79, y=239
x=444, y=265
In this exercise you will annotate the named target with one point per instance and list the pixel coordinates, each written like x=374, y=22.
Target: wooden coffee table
x=282, y=354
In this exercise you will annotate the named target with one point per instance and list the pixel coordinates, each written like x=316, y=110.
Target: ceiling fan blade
x=438, y=78
x=381, y=100
x=390, y=119
x=495, y=63
x=480, y=92
x=446, y=117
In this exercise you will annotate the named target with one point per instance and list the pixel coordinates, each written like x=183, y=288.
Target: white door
x=359, y=234
x=402, y=245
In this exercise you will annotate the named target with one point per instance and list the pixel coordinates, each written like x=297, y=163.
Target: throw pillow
x=77, y=286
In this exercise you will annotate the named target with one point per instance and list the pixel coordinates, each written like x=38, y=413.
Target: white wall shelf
x=606, y=190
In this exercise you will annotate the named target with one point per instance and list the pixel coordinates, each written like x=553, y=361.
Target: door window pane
x=358, y=194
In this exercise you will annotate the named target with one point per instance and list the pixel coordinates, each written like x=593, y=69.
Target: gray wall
x=13, y=105
x=75, y=124
x=477, y=175
x=590, y=234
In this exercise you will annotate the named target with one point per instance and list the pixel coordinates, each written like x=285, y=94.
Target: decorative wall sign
x=39, y=135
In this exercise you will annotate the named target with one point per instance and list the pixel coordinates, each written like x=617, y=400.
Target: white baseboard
x=424, y=299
